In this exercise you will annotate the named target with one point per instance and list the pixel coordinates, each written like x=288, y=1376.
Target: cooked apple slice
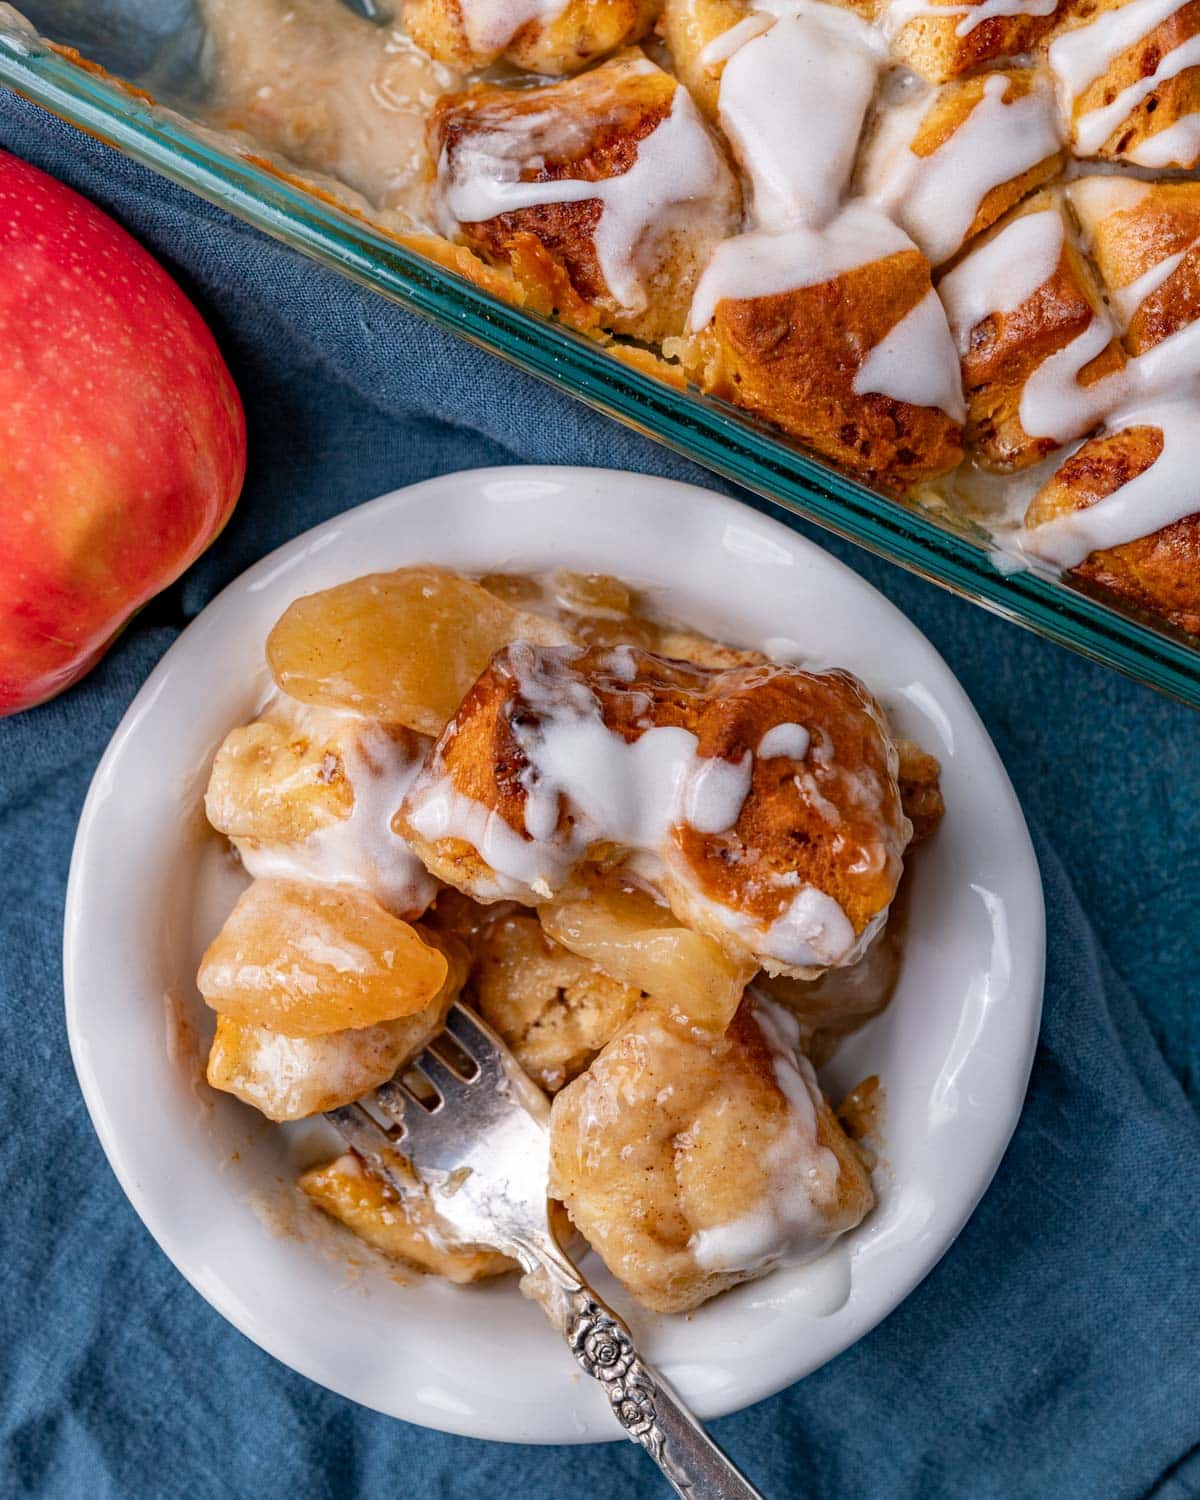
x=640, y=943
x=401, y=647
x=306, y=960
x=291, y=1077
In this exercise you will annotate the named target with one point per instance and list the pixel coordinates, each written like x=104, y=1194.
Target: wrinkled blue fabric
x=1052, y=1352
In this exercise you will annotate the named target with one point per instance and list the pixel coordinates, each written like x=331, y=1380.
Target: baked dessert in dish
x=912, y=235
x=660, y=866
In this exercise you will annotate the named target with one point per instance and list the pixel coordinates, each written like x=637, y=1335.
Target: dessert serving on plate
x=659, y=866
x=947, y=245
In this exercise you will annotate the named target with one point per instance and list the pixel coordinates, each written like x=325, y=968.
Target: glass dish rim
x=698, y=427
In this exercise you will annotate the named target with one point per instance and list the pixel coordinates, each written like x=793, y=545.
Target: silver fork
x=479, y=1144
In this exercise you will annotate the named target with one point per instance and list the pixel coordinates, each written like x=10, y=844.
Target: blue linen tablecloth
x=1055, y=1350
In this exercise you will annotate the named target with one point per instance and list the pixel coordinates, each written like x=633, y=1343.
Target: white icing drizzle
x=676, y=164
x=916, y=362
x=1164, y=493
x=973, y=13
x=792, y=103
x=361, y=850
x=763, y=264
x=1002, y=273
x=1176, y=146
x=632, y=793
x=1053, y=403
x=585, y=784
x=786, y=740
x=1127, y=299
x=1103, y=193
x=791, y=1223
x=722, y=47
x=936, y=197
x=1080, y=56
x=811, y=933
x=491, y=24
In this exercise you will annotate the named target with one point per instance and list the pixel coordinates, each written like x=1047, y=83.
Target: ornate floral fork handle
x=642, y=1401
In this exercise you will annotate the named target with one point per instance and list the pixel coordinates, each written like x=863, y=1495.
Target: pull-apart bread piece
x=542, y=36
x=819, y=319
x=948, y=162
x=942, y=39
x=692, y=1162
x=837, y=336
x=760, y=802
x=1128, y=74
x=603, y=194
x=554, y=1008
x=1036, y=341
x=307, y=793
x=790, y=92
x=1123, y=512
x=1144, y=238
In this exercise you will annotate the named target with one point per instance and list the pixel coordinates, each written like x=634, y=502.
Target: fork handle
x=642, y=1401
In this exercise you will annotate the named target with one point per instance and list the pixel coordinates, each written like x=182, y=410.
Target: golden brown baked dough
x=297, y=791
x=831, y=822
x=686, y=1166
x=931, y=44
x=1170, y=100
x=687, y=27
x=949, y=109
x=1133, y=231
x=1002, y=351
x=919, y=776
x=1159, y=573
x=792, y=358
x=591, y=129
x=463, y=35
x=1131, y=227
x=404, y=1229
x=554, y=1009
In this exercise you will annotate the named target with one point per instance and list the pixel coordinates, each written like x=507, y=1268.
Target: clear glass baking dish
x=145, y=43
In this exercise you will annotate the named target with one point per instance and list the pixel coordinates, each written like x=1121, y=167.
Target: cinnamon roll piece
x=1036, y=341
x=693, y=1162
x=1123, y=513
x=836, y=336
x=952, y=161
x=943, y=39
x=603, y=194
x=551, y=37
x=1128, y=72
x=404, y=1228
x=1144, y=238
x=761, y=803
x=306, y=793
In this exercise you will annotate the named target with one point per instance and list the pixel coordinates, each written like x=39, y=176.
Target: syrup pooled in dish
x=658, y=865
x=913, y=235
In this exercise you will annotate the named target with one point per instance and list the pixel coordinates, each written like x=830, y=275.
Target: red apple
x=122, y=437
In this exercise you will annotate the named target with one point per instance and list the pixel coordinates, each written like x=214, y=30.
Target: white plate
x=212, y=1181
